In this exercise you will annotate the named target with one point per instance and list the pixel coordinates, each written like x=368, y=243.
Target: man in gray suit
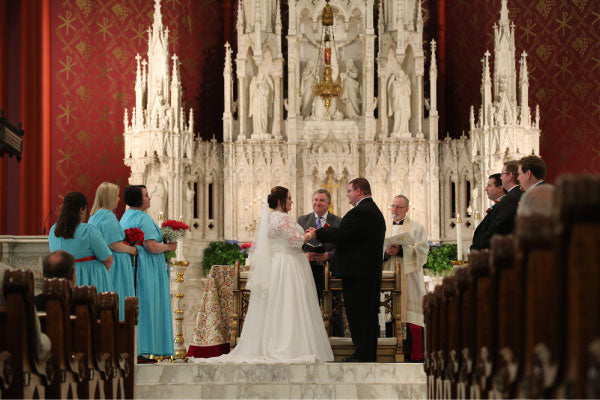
x=317, y=219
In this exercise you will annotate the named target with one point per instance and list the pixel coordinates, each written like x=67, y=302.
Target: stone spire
x=524, y=91
x=433, y=80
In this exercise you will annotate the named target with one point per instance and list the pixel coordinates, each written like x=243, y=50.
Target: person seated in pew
x=537, y=201
x=58, y=264
x=42, y=342
x=412, y=257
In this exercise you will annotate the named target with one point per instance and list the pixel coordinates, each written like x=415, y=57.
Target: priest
x=412, y=255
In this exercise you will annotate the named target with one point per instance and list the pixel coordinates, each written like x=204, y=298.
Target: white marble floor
x=281, y=381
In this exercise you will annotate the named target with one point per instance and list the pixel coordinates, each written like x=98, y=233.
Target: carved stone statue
x=260, y=102
x=306, y=88
x=399, y=104
x=189, y=201
x=158, y=194
x=351, y=94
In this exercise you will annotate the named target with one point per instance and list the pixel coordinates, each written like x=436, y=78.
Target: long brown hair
x=68, y=219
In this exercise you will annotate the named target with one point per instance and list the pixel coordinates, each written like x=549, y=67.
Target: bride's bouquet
x=172, y=231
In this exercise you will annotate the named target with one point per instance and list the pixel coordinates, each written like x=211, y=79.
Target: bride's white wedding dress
x=283, y=322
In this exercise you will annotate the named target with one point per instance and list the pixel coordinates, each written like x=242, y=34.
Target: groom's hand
x=312, y=232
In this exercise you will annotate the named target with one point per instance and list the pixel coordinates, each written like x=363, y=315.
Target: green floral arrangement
x=222, y=253
x=440, y=257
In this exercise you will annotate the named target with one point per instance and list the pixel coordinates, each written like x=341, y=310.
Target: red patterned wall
x=93, y=46
x=562, y=40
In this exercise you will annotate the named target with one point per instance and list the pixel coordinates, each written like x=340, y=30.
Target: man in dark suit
x=317, y=219
x=502, y=220
x=531, y=172
x=358, y=261
x=495, y=192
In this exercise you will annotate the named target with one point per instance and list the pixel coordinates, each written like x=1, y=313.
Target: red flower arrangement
x=172, y=231
x=245, y=246
x=175, y=225
x=134, y=236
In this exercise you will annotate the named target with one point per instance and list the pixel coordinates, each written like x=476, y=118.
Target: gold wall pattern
x=93, y=46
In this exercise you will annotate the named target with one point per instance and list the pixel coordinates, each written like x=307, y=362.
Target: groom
x=358, y=261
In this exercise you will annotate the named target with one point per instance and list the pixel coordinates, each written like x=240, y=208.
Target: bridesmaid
x=84, y=242
x=103, y=218
x=155, y=323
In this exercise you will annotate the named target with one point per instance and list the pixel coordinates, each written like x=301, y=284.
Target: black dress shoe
x=351, y=359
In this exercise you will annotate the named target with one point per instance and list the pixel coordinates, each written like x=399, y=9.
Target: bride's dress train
x=283, y=322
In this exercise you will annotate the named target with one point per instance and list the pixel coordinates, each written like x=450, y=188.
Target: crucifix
x=330, y=186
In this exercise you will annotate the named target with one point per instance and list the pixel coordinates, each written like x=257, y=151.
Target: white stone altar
x=389, y=136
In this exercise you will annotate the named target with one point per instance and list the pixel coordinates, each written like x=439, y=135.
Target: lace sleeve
x=282, y=226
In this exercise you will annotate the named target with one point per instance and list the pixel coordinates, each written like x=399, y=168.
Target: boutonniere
x=326, y=225
x=488, y=210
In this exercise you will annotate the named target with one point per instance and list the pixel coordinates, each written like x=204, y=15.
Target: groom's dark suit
x=358, y=260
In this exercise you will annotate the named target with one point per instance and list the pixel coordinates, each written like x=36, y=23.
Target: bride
x=284, y=322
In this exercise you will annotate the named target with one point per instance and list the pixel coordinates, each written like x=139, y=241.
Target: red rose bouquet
x=134, y=236
x=172, y=231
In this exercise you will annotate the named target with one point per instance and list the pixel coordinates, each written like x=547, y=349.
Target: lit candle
x=458, y=238
x=179, y=252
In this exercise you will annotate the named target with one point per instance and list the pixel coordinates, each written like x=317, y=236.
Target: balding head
x=59, y=264
x=537, y=200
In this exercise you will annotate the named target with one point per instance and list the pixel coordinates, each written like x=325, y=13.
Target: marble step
x=183, y=373
x=284, y=391
x=324, y=380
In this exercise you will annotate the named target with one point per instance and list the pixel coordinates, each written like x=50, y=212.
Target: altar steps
x=281, y=381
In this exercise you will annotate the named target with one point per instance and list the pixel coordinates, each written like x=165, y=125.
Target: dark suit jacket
x=359, y=239
x=310, y=221
x=500, y=221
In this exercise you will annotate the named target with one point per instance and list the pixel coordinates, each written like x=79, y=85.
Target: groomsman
x=317, y=219
x=502, y=220
x=358, y=260
x=531, y=172
x=495, y=192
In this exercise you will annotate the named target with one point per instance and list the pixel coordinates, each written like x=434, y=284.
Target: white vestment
x=411, y=264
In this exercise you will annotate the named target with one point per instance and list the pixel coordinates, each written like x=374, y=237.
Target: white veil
x=260, y=256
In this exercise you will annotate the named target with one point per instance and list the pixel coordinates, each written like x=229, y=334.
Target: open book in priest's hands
x=402, y=239
x=311, y=248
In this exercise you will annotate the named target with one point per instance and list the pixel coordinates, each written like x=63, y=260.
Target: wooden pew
x=540, y=318
x=439, y=343
x=509, y=313
x=108, y=308
x=68, y=365
x=453, y=347
x=97, y=365
x=127, y=344
x=485, y=332
x=465, y=282
x=428, y=301
x=577, y=209
x=30, y=374
x=6, y=371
